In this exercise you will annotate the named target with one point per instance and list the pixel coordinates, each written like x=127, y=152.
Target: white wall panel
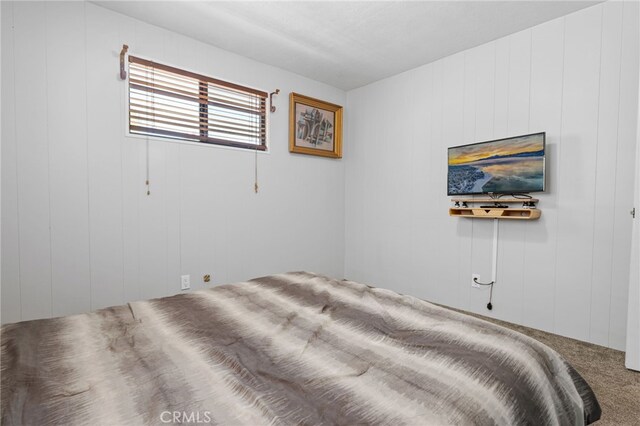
x=152, y=243
x=555, y=273
x=468, y=109
x=173, y=171
x=132, y=176
x=172, y=199
x=451, y=267
x=608, y=112
x=191, y=237
x=80, y=233
x=518, y=107
x=501, y=84
x=10, y=221
x=420, y=121
x=104, y=160
x=627, y=123
x=547, y=50
x=482, y=239
x=356, y=220
x=85, y=219
x=435, y=182
x=396, y=170
x=509, y=284
x=577, y=177
x=465, y=229
x=31, y=138
x=67, y=143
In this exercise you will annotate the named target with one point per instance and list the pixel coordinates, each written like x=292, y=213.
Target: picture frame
x=315, y=127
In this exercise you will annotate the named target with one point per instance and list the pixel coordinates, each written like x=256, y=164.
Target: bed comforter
x=288, y=349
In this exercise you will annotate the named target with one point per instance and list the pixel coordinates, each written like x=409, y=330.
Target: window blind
x=170, y=102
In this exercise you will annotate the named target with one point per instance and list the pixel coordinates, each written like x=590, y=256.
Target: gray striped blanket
x=291, y=349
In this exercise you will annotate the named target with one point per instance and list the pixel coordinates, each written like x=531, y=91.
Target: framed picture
x=315, y=127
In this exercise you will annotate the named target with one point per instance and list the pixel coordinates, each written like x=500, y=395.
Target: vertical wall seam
x=165, y=204
x=508, y=111
x=615, y=175
x=508, y=83
x=464, y=91
x=122, y=180
x=595, y=174
x=139, y=288
x=475, y=124
x=495, y=85
x=180, y=207
x=493, y=135
x=46, y=124
x=475, y=100
x=530, y=74
x=15, y=136
x=558, y=184
x=165, y=209
x=524, y=225
x=86, y=123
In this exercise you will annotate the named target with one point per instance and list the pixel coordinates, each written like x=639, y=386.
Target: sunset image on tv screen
x=514, y=165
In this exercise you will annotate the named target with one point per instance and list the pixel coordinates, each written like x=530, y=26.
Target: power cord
x=489, y=305
x=522, y=196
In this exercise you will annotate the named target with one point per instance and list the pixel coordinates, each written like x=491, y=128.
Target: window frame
x=209, y=142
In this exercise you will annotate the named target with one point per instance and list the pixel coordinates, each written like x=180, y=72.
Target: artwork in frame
x=315, y=127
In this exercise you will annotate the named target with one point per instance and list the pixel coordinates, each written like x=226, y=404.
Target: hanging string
x=255, y=161
x=272, y=108
x=255, y=185
x=147, y=179
x=147, y=176
x=123, y=76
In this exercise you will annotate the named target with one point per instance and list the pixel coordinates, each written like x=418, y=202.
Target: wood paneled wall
x=575, y=78
x=78, y=230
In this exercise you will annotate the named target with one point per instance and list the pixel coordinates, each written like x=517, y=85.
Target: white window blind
x=173, y=103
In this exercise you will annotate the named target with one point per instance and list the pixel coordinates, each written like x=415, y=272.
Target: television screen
x=504, y=166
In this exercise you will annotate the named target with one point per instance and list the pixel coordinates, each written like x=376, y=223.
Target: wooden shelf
x=495, y=213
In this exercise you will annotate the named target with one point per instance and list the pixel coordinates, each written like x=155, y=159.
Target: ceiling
x=346, y=44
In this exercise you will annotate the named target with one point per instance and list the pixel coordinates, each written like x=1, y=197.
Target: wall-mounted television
x=512, y=165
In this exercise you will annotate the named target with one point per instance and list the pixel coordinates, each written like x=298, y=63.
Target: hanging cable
x=494, y=269
x=489, y=305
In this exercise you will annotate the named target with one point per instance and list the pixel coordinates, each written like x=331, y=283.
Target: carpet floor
x=617, y=389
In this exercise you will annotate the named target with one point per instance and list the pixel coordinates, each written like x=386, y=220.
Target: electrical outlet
x=185, y=282
x=473, y=283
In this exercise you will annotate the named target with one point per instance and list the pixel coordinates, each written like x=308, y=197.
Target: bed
x=286, y=349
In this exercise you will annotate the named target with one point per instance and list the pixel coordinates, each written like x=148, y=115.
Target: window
x=177, y=104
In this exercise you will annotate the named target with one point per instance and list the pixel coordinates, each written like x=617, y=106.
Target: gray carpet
x=617, y=389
